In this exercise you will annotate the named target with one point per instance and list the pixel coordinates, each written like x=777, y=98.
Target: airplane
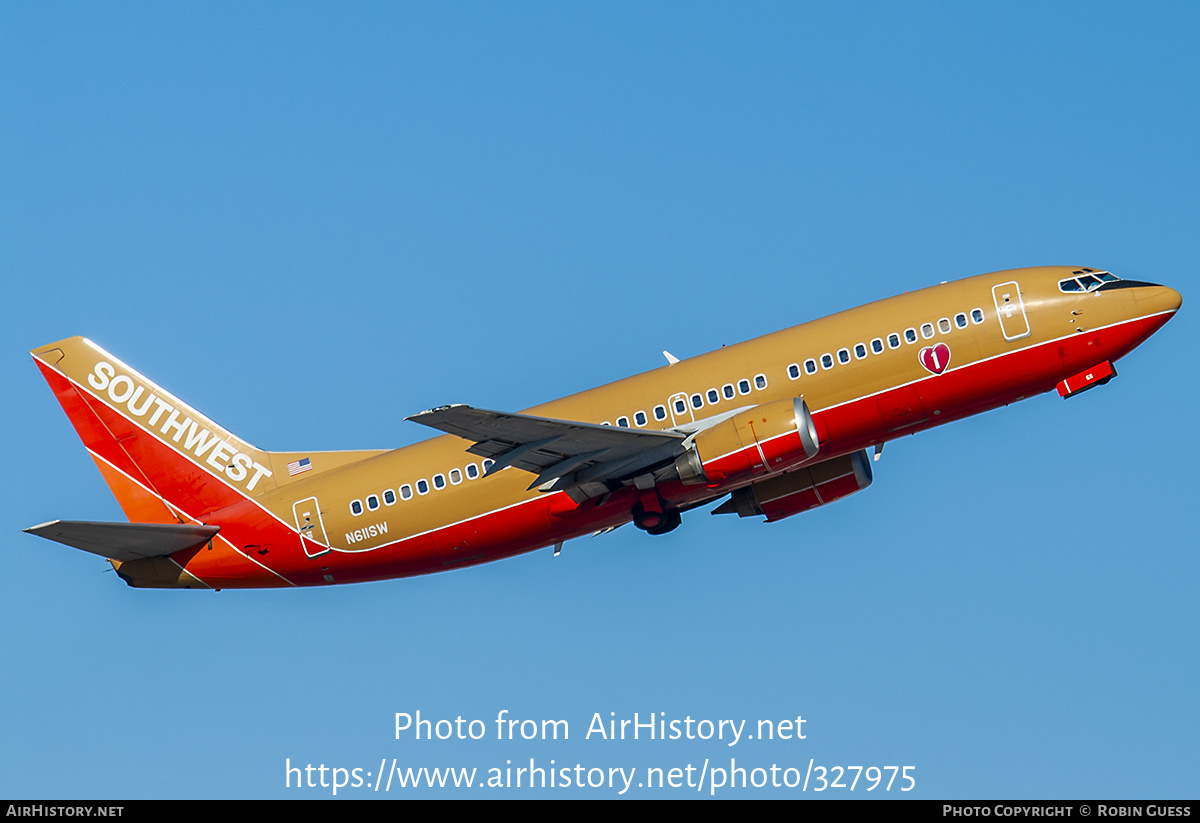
x=775, y=426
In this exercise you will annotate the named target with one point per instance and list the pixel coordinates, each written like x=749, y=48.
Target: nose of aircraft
x=1174, y=298
x=1153, y=298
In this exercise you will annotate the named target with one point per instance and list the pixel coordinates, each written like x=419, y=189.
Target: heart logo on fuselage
x=935, y=358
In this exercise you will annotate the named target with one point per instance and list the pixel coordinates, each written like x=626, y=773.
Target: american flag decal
x=299, y=466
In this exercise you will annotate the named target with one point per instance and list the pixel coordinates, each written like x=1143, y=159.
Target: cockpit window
x=1086, y=280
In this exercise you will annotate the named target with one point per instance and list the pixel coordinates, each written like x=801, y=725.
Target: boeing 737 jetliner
x=776, y=426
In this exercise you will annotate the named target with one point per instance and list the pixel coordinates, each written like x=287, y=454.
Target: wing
x=583, y=459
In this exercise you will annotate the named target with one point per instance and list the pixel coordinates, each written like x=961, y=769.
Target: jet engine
x=802, y=489
x=772, y=437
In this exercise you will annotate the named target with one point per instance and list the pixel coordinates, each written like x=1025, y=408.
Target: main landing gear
x=648, y=515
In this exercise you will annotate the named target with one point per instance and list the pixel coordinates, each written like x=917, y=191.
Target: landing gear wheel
x=655, y=522
x=671, y=521
x=647, y=520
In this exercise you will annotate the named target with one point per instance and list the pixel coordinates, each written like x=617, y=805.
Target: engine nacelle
x=802, y=489
x=772, y=437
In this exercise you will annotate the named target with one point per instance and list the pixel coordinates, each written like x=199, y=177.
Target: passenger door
x=1011, y=310
x=310, y=526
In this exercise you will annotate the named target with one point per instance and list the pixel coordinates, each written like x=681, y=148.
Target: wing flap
x=125, y=541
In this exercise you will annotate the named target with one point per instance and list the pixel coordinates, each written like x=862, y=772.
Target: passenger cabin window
x=760, y=381
x=680, y=406
x=910, y=335
x=389, y=497
x=472, y=471
x=623, y=422
x=713, y=397
x=927, y=330
x=660, y=413
x=439, y=481
x=960, y=320
x=487, y=464
x=893, y=341
x=810, y=366
x=860, y=351
x=743, y=386
x=639, y=418
x=406, y=492
x=843, y=356
x=827, y=361
x=877, y=345
x=356, y=507
x=372, y=501
x=455, y=476
x=697, y=401
x=944, y=325
x=422, y=486
x=728, y=391
x=794, y=371
x=976, y=316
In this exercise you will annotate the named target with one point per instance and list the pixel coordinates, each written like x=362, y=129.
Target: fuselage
x=868, y=375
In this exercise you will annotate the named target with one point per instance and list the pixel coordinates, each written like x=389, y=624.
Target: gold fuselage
x=867, y=374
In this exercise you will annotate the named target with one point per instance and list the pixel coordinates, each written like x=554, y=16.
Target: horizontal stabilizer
x=126, y=541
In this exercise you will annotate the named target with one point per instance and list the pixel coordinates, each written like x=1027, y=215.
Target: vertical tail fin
x=164, y=461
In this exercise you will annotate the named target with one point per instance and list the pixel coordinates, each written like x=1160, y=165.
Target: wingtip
x=435, y=410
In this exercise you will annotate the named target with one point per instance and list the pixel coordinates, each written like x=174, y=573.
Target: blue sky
x=310, y=221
